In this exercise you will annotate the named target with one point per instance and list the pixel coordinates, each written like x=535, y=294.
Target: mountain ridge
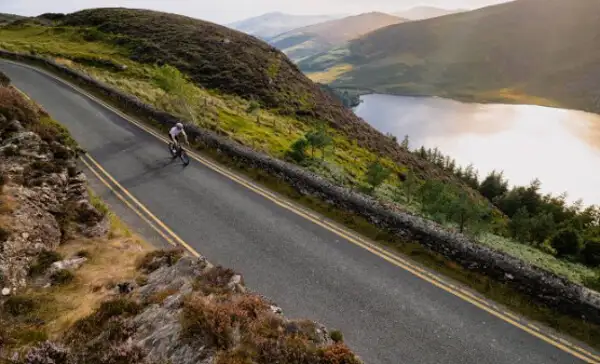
x=527, y=51
x=313, y=39
x=272, y=24
x=426, y=12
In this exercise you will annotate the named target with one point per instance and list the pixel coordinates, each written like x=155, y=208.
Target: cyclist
x=174, y=134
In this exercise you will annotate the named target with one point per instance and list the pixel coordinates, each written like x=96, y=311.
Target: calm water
x=560, y=147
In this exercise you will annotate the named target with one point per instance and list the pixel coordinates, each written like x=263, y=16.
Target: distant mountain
x=269, y=25
x=526, y=51
x=8, y=18
x=317, y=38
x=426, y=12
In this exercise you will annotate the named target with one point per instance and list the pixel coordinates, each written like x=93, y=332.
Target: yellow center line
x=349, y=236
x=127, y=203
x=143, y=208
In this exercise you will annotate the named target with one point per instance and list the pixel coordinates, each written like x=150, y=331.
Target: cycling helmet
x=179, y=126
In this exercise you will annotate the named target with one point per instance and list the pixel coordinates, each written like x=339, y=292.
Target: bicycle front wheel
x=173, y=150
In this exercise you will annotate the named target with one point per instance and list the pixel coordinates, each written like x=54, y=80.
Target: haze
x=226, y=11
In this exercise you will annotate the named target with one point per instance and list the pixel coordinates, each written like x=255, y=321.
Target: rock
x=6, y=291
x=25, y=235
x=276, y=310
x=74, y=263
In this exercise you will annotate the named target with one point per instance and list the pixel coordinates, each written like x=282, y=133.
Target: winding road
x=387, y=314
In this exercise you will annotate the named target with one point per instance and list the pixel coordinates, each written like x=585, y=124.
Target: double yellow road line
x=172, y=238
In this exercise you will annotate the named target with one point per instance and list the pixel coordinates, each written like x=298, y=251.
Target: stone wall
x=542, y=286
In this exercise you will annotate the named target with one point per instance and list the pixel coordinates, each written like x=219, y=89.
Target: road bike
x=177, y=151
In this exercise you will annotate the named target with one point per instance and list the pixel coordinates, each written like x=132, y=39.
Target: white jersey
x=175, y=132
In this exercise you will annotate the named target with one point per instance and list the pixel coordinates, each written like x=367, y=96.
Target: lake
x=560, y=147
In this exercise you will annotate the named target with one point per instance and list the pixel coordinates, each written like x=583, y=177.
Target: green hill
x=531, y=51
x=219, y=58
x=8, y=18
x=315, y=39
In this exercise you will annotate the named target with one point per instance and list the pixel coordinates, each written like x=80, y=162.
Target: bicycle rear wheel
x=184, y=157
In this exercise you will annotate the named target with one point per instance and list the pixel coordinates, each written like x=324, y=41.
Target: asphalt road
x=387, y=314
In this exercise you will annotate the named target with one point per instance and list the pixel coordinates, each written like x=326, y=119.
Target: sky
x=226, y=11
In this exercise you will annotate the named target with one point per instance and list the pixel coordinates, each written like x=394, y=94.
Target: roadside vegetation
x=520, y=221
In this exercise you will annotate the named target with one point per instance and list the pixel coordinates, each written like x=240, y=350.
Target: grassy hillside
x=532, y=51
x=222, y=61
x=270, y=25
x=314, y=39
x=8, y=18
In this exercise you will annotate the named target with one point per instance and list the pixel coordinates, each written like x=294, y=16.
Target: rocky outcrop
x=542, y=286
x=45, y=197
x=189, y=312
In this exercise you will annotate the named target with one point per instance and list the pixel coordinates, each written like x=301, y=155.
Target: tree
x=318, y=139
x=591, y=252
x=298, y=150
x=464, y=211
x=392, y=137
x=494, y=185
x=405, y=143
x=410, y=185
x=377, y=173
x=435, y=199
x=566, y=242
x=178, y=89
x=471, y=177
x=542, y=226
x=519, y=225
x=253, y=107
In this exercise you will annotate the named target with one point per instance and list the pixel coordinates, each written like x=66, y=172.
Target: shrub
x=117, y=307
x=216, y=320
x=338, y=354
x=253, y=107
x=297, y=151
x=47, y=353
x=291, y=349
x=376, y=175
x=337, y=336
x=209, y=321
x=16, y=107
x=158, y=258
x=19, y=305
x=51, y=131
x=591, y=252
x=214, y=280
x=566, y=242
x=61, y=277
x=104, y=318
x=44, y=260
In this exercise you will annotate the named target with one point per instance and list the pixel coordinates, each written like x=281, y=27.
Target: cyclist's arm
x=185, y=137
